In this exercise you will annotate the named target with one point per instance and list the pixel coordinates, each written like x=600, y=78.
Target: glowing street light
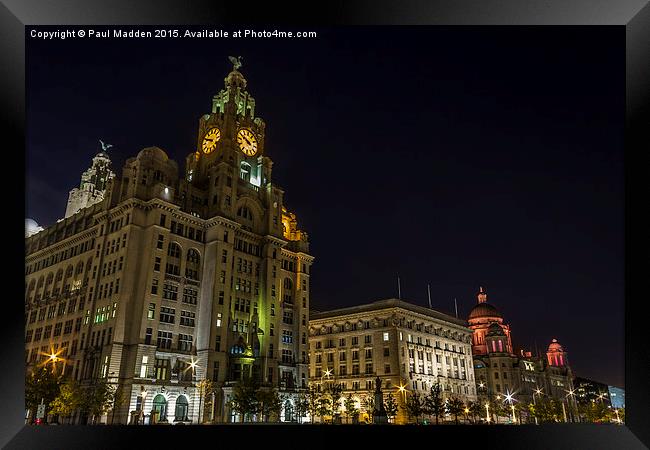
x=538, y=391
x=402, y=388
x=487, y=412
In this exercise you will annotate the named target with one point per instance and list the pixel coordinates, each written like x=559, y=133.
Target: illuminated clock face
x=247, y=142
x=210, y=140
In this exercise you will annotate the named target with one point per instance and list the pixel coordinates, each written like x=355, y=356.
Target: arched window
x=193, y=264
x=174, y=250
x=245, y=171
x=244, y=212
x=182, y=407
x=173, y=261
x=160, y=405
x=288, y=411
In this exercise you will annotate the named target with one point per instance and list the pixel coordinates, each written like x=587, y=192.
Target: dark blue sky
x=457, y=157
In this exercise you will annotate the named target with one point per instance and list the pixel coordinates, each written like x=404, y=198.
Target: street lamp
x=537, y=391
x=510, y=399
x=571, y=393
x=487, y=412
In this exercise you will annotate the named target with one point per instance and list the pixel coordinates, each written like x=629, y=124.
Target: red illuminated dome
x=483, y=309
x=555, y=346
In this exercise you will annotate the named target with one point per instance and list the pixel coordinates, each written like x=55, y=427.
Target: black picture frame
x=633, y=15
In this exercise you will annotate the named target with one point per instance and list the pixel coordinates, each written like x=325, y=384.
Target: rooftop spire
x=482, y=295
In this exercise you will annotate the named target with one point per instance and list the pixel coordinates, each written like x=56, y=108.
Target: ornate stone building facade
x=500, y=371
x=173, y=278
x=92, y=188
x=401, y=343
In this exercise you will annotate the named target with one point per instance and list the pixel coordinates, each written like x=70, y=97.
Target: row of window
x=165, y=338
x=43, y=240
x=61, y=256
x=382, y=323
x=330, y=343
x=35, y=335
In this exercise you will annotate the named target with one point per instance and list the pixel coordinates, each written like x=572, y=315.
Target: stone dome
x=153, y=152
x=484, y=310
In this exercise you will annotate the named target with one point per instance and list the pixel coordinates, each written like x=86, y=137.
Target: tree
x=69, y=399
x=414, y=406
x=244, y=398
x=350, y=407
x=269, y=404
x=206, y=388
x=497, y=409
x=334, y=391
x=474, y=409
x=41, y=384
x=455, y=407
x=302, y=405
x=433, y=403
x=97, y=398
x=391, y=406
x=313, y=402
x=595, y=412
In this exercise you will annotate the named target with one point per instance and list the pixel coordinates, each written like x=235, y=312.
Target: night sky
x=459, y=157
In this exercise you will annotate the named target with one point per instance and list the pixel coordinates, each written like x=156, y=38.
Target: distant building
x=617, y=397
x=500, y=371
x=591, y=391
x=401, y=343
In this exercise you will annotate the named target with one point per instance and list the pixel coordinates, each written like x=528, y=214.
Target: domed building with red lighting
x=506, y=376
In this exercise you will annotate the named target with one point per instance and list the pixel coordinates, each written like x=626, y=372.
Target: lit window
x=143, y=367
x=386, y=336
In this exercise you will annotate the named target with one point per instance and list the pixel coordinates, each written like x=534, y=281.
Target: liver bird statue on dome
x=236, y=61
x=105, y=147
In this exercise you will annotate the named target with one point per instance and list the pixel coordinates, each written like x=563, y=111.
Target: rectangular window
x=143, y=367
x=386, y=369
x=189, y=296
x=185, y=342
x=161, y=241
x=167, y=315
x=170, y=291
x=187, y=318
x=154, y=287
x=367, y=339
x=156, y=264
x=386, y=337
x=217, y=344
x=162, y=369
x=164, y=340
x=151, y=312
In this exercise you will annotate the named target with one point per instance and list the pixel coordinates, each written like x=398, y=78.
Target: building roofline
x=386, y=304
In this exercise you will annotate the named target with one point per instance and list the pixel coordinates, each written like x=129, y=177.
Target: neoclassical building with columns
x=401, y=343
x=157, y=279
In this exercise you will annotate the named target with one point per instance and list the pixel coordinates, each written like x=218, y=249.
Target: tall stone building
x=174, y=278
x=403, y=344
x=501, y=372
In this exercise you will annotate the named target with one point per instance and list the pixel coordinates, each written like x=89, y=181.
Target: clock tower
x=230, y=135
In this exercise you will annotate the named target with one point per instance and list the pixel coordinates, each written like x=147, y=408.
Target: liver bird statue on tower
x=236, y=61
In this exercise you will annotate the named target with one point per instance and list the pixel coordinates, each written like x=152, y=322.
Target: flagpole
x=399, y=288
x=429, y=293
x=456, y=307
